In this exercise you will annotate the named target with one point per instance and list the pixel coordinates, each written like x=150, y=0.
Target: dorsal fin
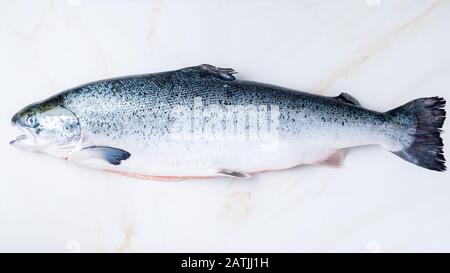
x=347, y=98
x=210, y=70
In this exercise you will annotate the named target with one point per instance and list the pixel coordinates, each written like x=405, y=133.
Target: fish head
x=48, y=127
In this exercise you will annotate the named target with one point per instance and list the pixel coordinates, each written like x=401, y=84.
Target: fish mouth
x=27, y=138
x=17, y=139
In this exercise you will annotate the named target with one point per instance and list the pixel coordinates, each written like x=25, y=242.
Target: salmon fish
x=202, y=122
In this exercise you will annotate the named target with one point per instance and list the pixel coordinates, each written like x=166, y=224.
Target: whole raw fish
x=200, y=122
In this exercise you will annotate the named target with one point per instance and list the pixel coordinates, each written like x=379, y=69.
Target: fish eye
x=31, y=121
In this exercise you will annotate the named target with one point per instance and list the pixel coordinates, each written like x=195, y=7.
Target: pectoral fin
x=112, y=155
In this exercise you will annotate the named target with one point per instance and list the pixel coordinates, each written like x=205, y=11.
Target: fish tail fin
x=422, y=119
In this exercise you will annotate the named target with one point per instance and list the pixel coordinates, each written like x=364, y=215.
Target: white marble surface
x=385, y=53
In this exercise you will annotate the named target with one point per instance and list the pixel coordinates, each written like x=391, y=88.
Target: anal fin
x=336, y=159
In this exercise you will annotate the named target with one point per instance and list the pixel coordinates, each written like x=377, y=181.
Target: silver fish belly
x=202, y=122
